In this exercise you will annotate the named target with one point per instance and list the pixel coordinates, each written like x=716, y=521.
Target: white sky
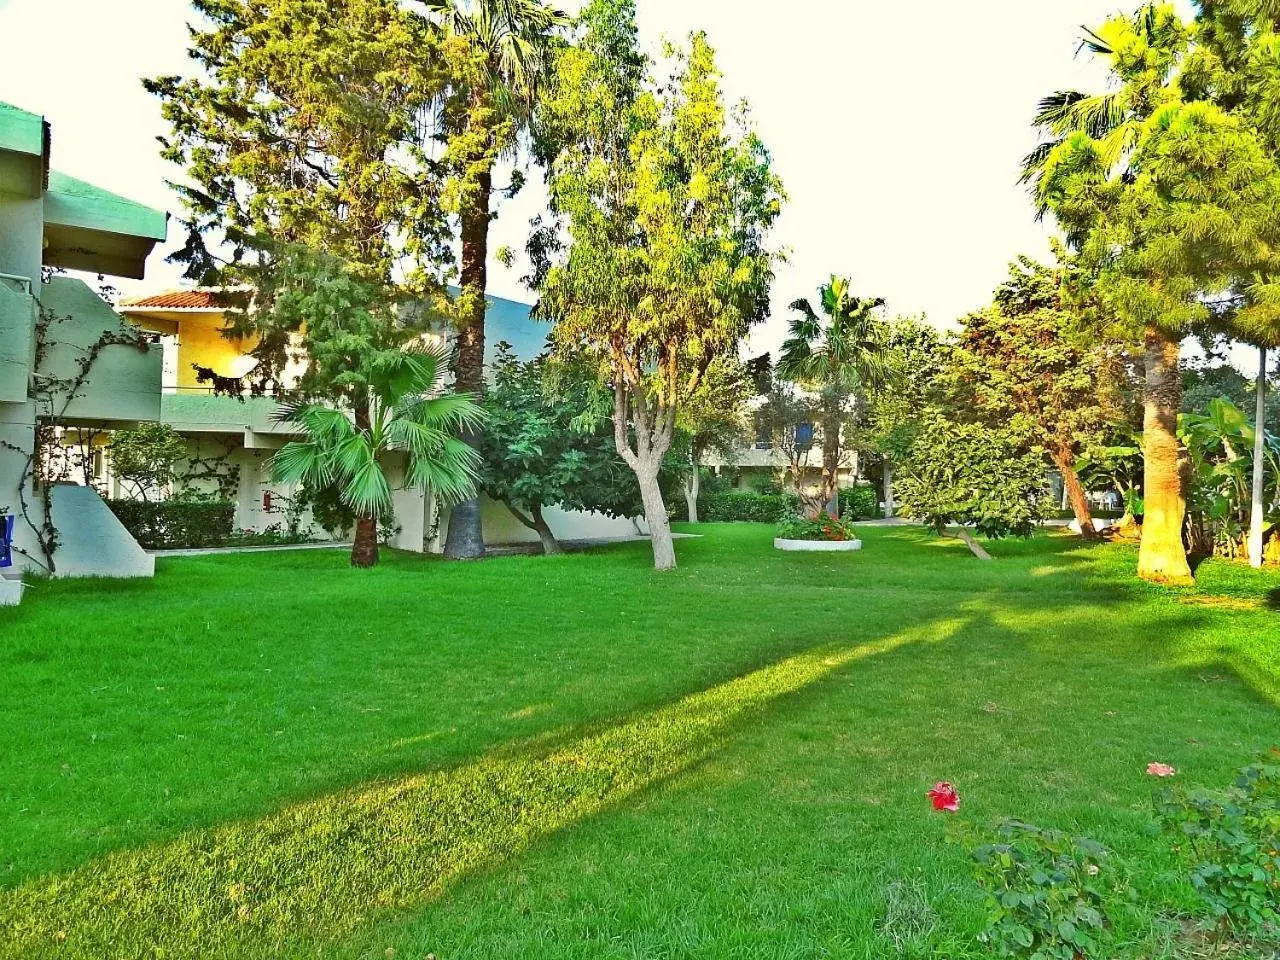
x=897, y=127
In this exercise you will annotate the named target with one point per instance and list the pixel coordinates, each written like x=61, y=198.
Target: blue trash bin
x=6, y=541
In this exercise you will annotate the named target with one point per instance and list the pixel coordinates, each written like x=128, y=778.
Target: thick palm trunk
x=1064, y=460
x=889, y=506
x=364, y=552
x=465, y=539
x=1162, y=558
x=1257, y=510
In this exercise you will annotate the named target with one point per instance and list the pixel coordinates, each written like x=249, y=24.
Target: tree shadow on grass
x=322, y=869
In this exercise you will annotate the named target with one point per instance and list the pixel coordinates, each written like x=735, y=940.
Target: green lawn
x=574, y=757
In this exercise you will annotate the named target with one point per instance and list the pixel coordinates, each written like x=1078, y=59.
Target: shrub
x=173, y=524
x=1048, y=894
x=744, y=506
x=860, y=502
x=1234, y=836
x=797, y=527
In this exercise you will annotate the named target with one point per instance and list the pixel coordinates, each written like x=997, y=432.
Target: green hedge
x=747, y=506
x=860, y=502
x=172, y=524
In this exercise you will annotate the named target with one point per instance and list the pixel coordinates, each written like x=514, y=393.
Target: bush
x=743, y=506
x=1048, y=894
x=1234, y=836
x=173, y=524
x=796, y=527
x=860, y=502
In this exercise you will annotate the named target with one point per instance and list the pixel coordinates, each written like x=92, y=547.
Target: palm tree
x=407, y=415
x=492, y=100
x=836, y=359
x=1143, y=52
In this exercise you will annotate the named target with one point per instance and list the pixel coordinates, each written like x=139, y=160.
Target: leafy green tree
x=499, y=52
x=714, y=419
x=1026, y=363
x=1170, y=202
x=406, y=416
x=917, y=355
x=973, y=477
x=145, y=458
x=666, y=212
x=547, y=442
x=836, y=359
x=301, y=138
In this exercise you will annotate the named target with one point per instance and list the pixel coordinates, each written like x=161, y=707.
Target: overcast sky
x=896, y=127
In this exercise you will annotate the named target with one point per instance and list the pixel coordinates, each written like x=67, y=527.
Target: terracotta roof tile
x=176, y=300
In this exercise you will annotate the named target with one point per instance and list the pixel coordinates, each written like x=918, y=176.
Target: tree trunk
x=887, y=469
x=550, y=545
x=1162, y=558
x=974, y=546
x=364, y=552
x=1064, y=459
x=653, y=427
x=1257, y=516
x=831, y=453
x=692, y=485
x=466, y=535
x=655, y=514
x=538, y=524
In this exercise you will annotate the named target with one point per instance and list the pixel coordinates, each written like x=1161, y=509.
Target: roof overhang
x=24, y=151
x=88, y=228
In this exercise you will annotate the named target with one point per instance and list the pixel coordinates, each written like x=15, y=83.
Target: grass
x=571, y=757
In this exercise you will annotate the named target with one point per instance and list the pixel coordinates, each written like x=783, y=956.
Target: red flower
x=1160, y=770
x=944, y=797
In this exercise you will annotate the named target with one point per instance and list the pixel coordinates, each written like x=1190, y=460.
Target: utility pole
x=1257, y=517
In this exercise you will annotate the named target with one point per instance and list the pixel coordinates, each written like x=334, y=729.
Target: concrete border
x=817, y=546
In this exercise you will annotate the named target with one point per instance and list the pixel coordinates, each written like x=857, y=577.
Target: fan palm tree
x=836, y=359
x=507, y=46
x=407, y=415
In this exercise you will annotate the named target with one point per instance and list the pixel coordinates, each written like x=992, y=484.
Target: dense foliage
x=1048, y=894
x=974, y=477
x=547, y=443
x=171, y=524
x=145, y=458
x=664, y=205
x=1029, y=364
x=1233, y=837
x=839, y=361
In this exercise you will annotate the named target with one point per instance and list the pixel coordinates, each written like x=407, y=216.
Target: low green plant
x=797, y=527
x=745, y=507
x=175, y=524
x=1049, y=895
x=1234, y=837
x=860, y=503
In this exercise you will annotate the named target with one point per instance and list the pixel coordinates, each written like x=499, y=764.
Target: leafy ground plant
x=1234, y=837
x=1049, y=894
x=834, y=529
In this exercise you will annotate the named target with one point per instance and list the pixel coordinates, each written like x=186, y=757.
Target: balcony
x=200, y=410
x=123, y=385
x=17, y=327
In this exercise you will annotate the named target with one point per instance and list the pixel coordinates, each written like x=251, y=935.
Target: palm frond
x=367, y=492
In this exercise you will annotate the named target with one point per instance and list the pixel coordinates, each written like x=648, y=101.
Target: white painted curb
x=824, y=546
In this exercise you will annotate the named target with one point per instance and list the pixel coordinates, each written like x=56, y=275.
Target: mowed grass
x=274, y=755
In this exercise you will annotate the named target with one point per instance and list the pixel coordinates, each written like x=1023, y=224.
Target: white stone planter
x=817, y=546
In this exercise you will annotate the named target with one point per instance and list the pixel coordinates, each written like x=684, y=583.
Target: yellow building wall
x=200, y=341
